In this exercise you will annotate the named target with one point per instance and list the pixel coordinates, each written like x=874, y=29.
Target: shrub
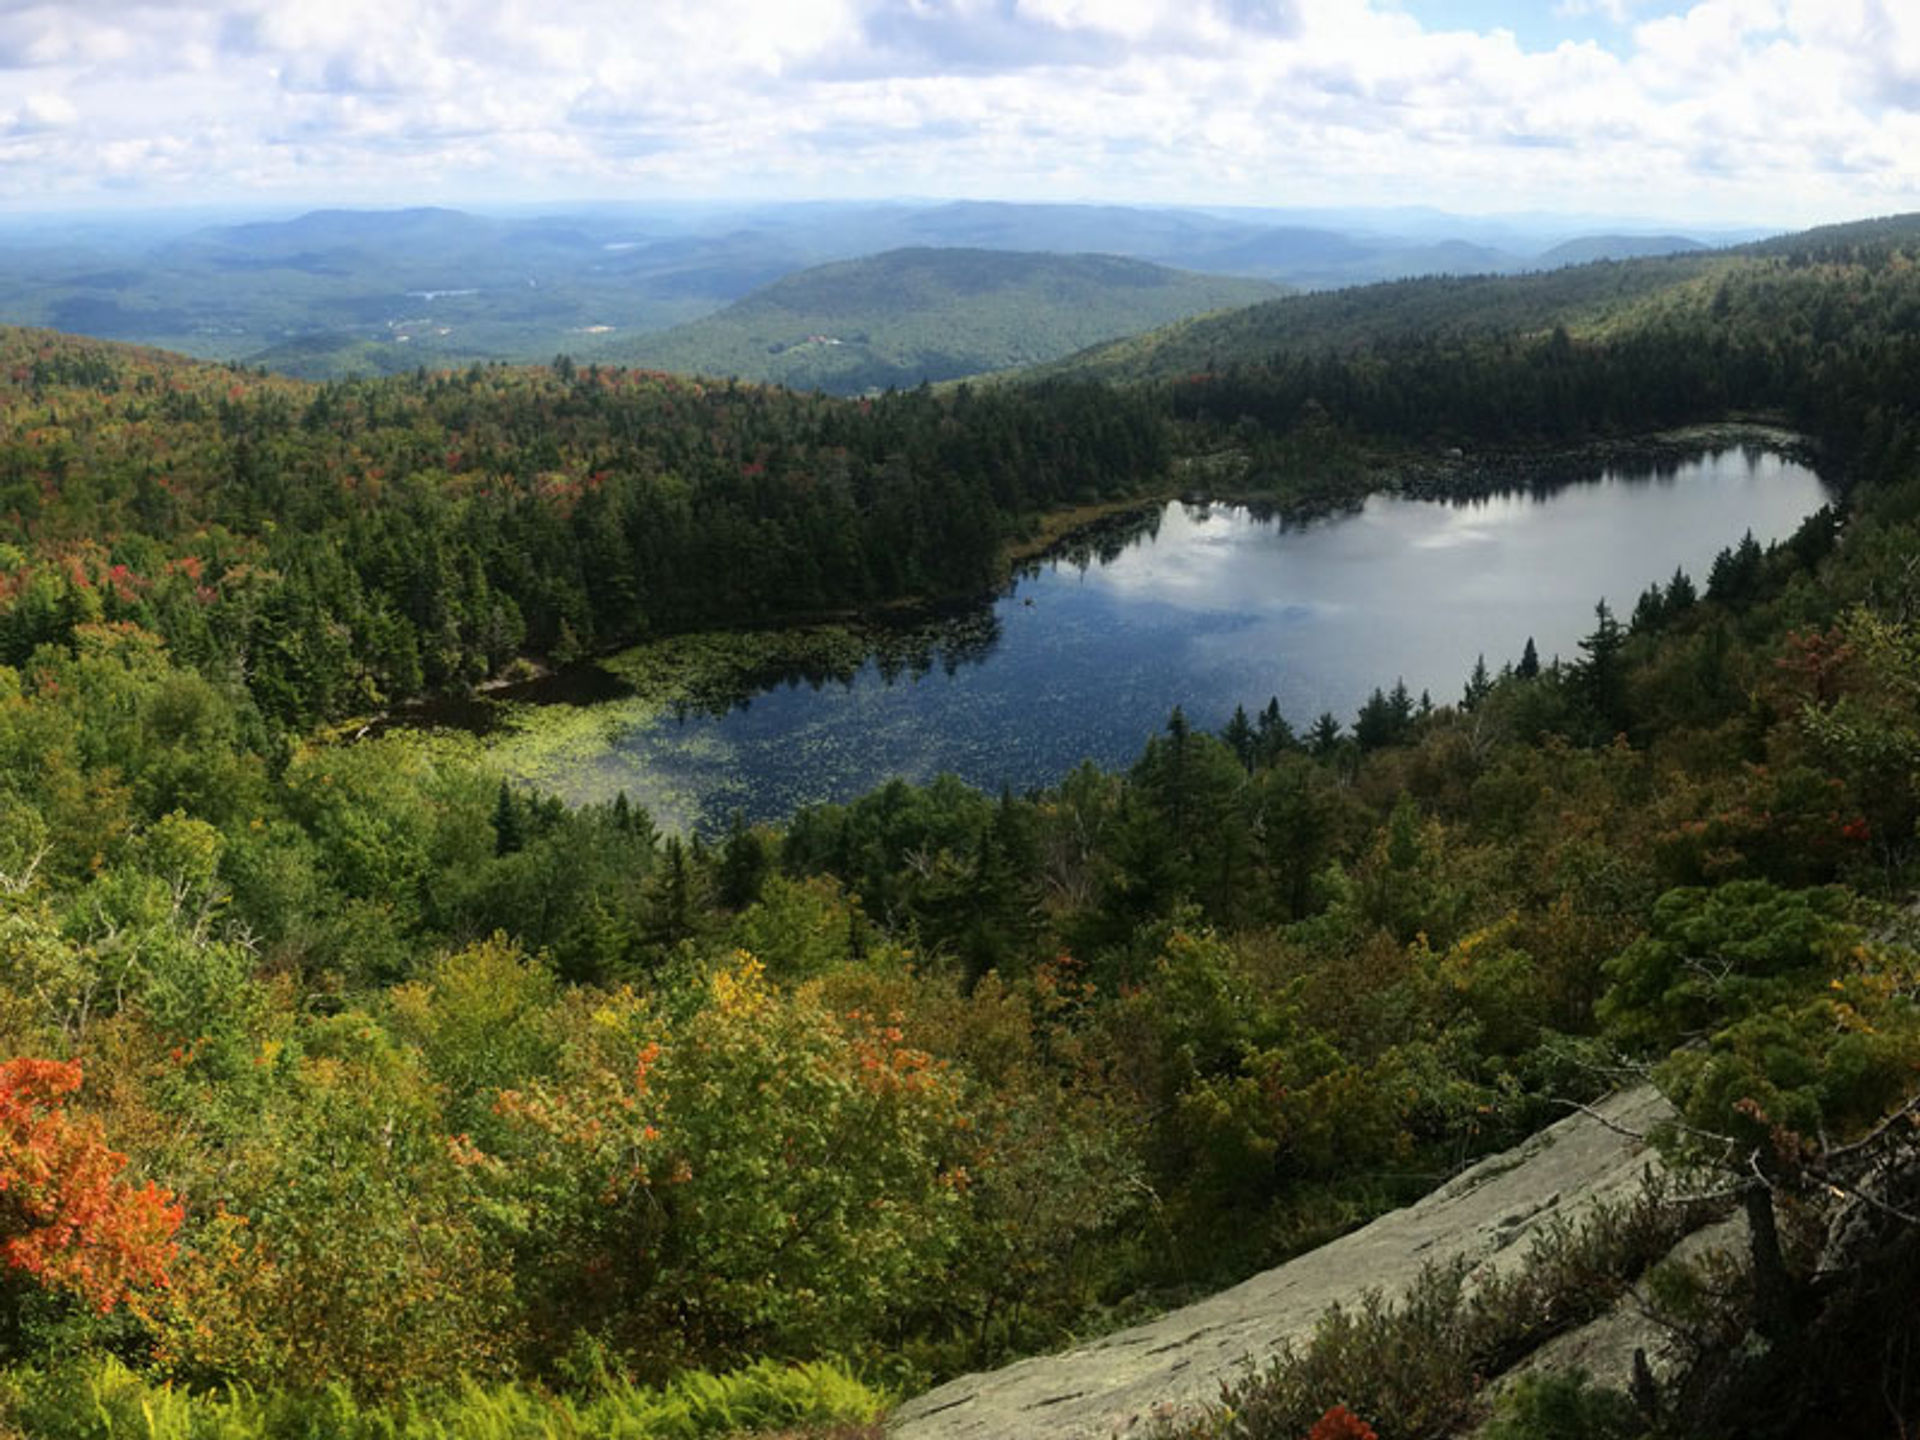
x=1562, y=1407
x=105, y=1399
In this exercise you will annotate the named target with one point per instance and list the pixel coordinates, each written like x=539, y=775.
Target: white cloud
x=1782, y=109
x=43, y=112
x=1617, y=11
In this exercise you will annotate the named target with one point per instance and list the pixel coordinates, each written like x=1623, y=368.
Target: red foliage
x=66, y=1218
x=1340, y=1423
x=1814, y=665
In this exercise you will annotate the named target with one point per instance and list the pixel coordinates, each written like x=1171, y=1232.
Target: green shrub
x=107, y=1401
x=1416, y=1368
x=1562, y=1407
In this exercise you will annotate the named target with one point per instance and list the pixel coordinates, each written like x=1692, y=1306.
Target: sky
x=1779, y=112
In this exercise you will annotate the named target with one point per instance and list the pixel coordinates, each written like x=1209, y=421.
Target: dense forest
x=315, y=1043
x=896, y=319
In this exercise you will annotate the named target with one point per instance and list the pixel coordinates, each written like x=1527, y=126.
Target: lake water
x=1210, y=608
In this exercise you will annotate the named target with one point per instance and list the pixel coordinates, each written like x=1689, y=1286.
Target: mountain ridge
x=924, y=313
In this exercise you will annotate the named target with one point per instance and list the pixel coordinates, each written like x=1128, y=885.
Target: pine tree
x=1323, y=737
x=1478, y=684
x=1240, y=737
x=1275, y=736
x=1529, y=665
x=1373, y=726
x=1650, y=610
x=745, y=861
x=509, y=826
x=1401, y=705
x=1602, y=678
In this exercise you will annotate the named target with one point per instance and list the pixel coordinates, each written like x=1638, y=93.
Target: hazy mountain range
x=344, y=291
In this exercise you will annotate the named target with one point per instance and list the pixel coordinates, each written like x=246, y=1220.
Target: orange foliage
x=1340, y=1423
x=66, y=1218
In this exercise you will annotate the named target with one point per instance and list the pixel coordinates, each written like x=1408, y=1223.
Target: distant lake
x=1210, y=607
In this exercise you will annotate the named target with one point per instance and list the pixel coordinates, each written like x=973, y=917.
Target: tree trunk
x=1773, y=1301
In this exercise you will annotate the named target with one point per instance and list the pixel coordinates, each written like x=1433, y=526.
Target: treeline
x=337, y=546
x=1831, y=348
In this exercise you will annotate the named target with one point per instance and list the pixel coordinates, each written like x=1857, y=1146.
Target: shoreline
x=828, y=640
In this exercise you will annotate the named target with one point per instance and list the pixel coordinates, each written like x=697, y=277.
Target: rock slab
x=1177, y=1363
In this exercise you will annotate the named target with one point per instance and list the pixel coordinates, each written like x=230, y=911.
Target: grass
x=586, y=754
x=108, y=1401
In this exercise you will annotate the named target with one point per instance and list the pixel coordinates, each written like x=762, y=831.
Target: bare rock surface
x=1177, y=1363
x=1604, y=1348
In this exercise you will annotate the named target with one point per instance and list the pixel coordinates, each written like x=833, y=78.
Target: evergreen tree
x=1373, y=726
x=1323, y=736
x=1240, y=736
x=1478, y=684
x=509, y=826
x=746, y=859
x=1735, y=577
x=1401, y=705
x=1275, y=736
x=1601, y=674
x=1649, y=611
x=1529, y=665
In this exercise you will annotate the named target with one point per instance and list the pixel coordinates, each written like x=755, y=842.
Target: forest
x=314, y=1041
x=895, y=319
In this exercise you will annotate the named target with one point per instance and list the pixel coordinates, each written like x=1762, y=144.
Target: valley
x=820, y=1076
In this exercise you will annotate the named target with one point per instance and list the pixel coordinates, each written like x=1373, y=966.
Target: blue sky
x=1543, y=24
x=1764, y=111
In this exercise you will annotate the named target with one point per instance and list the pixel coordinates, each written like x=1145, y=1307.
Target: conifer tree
x=1529, y=665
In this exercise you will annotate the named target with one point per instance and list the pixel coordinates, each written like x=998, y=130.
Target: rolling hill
x=1585, y=249
x=921, y=314
x=336, y=292
x=1580, y=297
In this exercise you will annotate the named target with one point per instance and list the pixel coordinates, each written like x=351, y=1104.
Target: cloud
x=1244, y=101
x=1618, y=12
x=965, y=37
x=39, y=113
x=41, y=36
x=1271, y=17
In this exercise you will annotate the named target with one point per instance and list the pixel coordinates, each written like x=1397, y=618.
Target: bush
x=105, y=1400
x=1562, y=1407
x=1415, y=1369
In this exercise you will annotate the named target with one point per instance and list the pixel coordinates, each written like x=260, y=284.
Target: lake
x=1207, y=607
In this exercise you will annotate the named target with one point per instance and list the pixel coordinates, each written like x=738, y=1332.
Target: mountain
x=357, y=291
x=1592, y=299
x=1578, y=297
x=1585, y=249
x=338, y=291
x=931, y=314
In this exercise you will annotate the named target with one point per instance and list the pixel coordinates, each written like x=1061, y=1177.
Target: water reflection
x=1207, y=607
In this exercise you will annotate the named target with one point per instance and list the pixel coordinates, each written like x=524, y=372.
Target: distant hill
x=1584, y=297
x=931, y=314
x=336, y=291
x=1588, y=248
